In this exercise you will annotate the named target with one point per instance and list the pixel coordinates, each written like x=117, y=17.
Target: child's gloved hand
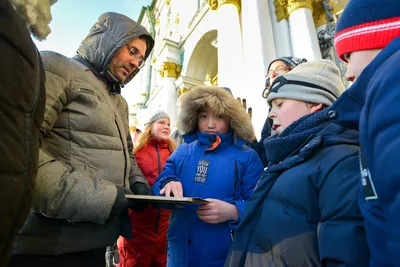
x=217, y=211
x=172, y=189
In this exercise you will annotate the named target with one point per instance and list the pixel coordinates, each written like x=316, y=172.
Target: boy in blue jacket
x=213, y=163
x=368, y=39
x=304, y=211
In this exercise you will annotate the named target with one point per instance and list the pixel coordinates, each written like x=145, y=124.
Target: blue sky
x=72, y=20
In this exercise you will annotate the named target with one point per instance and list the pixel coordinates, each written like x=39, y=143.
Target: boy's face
x=209, y=122
x=286, y=111
x=357, y=61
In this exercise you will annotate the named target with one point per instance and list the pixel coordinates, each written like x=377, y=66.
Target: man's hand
x=217, y=211
x=140, y=189
x=172, y=187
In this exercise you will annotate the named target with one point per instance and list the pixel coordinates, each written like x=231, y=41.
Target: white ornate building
x=228, y=43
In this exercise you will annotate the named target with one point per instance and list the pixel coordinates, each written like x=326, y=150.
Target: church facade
x=227, y=43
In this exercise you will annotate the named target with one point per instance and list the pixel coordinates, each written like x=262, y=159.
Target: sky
x=72, y=20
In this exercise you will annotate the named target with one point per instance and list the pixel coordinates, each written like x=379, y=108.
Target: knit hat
x=159, y=114
x=366, y=25
x=314, y=82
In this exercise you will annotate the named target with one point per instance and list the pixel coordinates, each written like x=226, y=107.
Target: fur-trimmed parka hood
x=222, y=102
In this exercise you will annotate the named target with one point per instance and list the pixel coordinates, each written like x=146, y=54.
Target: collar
x=158, y=142
x=215, y=141
x=111, y=82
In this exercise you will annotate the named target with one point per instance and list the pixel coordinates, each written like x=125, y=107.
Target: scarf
x=294, y=137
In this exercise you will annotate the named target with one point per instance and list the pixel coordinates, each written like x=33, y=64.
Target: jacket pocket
x=90, y=92
x=92, y=170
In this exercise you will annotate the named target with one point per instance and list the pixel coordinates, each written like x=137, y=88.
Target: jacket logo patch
x=366, y=181
x=201, y=171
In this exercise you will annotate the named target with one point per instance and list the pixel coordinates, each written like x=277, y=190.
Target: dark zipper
x=158, y=209
x=125, y=154
x=29, y=124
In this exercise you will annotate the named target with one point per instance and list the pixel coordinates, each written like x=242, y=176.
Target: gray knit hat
x=159, y=114
x=314, y=82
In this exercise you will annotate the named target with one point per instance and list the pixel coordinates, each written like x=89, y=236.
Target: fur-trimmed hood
x=222, y=102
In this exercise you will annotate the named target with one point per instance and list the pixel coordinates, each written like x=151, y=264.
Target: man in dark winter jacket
x=368, y=39
x=22, y=101
x=86, y=163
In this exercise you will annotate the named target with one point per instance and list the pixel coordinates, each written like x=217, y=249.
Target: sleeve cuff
x=240, y=205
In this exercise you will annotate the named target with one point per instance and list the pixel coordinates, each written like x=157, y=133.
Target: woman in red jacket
x=148, y=246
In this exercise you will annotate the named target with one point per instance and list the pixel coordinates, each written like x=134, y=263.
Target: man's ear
x=315, y=107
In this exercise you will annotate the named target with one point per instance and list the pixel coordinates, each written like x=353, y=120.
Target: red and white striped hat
x=366, y=25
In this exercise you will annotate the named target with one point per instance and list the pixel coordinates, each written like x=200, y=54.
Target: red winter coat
x=148, y=246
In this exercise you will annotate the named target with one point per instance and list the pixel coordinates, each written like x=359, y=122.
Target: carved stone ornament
x=319, y=13
x=283, y=9
x=211, y=81
x=170, y=69
x=293, y=5
x=215, y=4
x=182, y=91
x=280, y=10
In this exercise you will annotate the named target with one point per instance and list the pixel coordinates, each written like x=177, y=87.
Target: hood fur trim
x=222, y=102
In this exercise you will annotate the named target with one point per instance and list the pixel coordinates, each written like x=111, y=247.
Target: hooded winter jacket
x=149, y=244
x=370, y=105
x=304, y=211
x=22, y=100
x=86, y=147
x=209, y=166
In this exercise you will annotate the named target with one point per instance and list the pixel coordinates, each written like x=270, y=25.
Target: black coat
x=22, y=99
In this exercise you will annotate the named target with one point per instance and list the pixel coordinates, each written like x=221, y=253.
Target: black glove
x=141, y=189
x=120, y=209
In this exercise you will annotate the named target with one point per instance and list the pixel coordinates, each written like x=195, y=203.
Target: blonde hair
x=145, y=137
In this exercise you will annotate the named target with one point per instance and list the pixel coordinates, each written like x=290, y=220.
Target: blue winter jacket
x=228, y=172
x=372, y=106
x=304, y=210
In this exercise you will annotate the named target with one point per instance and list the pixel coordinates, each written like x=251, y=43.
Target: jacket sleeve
x=341, y=234
x=168, y=174
x=61, y=191
x=380, y=136
x=251, y=174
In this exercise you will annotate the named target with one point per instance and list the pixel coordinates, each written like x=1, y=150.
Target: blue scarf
x=294, y=137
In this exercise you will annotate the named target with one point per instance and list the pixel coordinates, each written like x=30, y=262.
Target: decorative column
x=230, y=50
x=259, y=51
x=280, y=21
x=169, y=71
x=302, y=29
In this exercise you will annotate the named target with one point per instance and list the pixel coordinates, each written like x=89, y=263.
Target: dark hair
x=148, y=41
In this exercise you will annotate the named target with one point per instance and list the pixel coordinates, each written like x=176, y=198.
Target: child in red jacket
x=149, y=228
